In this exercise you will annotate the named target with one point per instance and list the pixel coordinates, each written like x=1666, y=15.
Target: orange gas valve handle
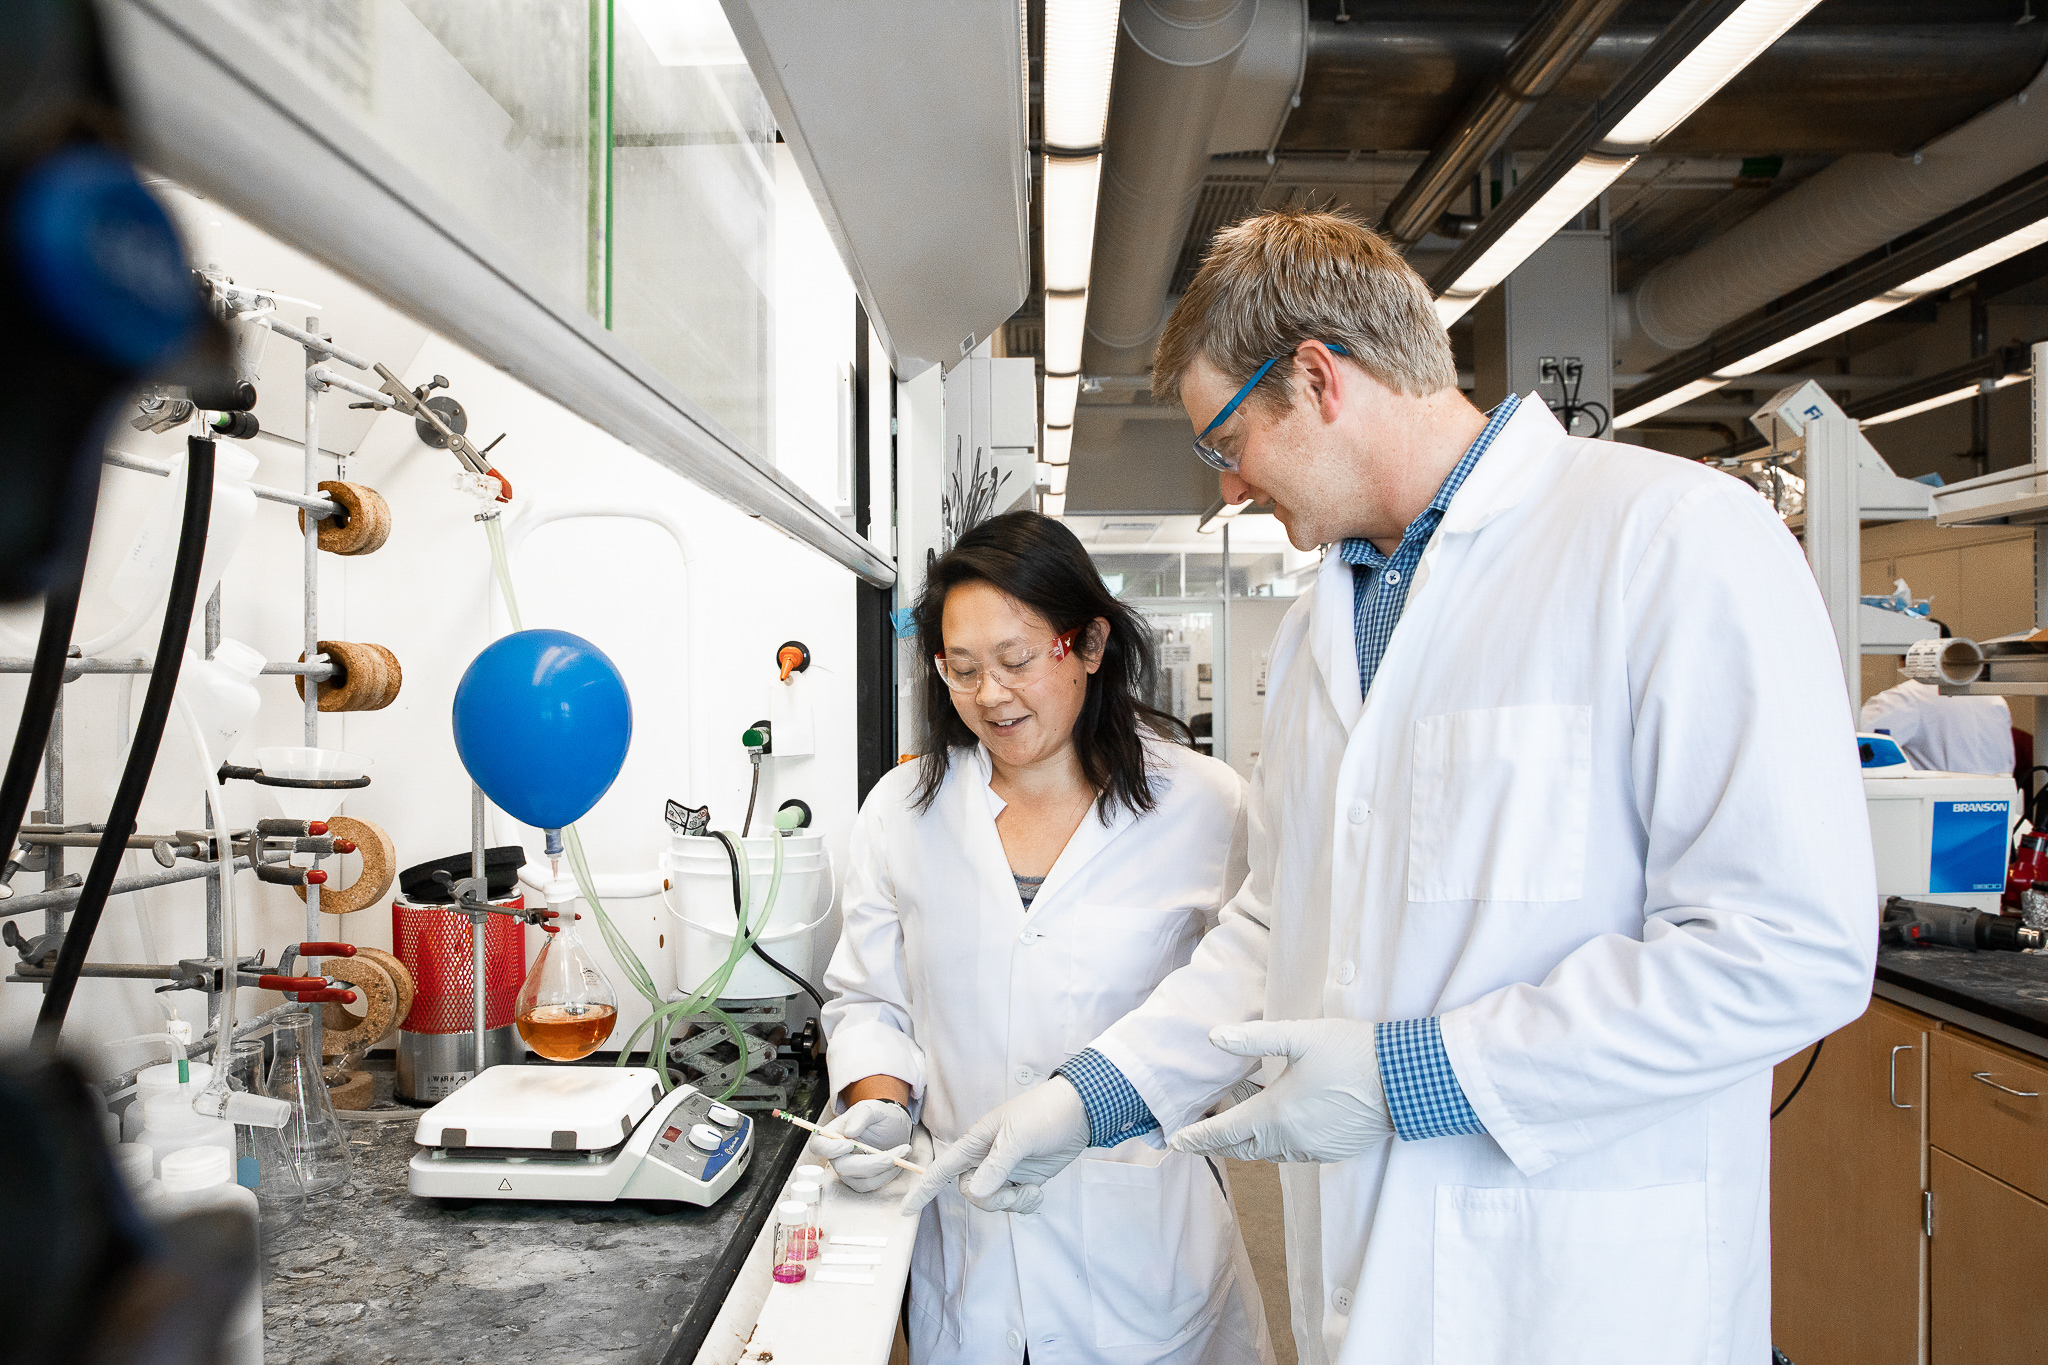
x=327, y=950
x=793, y=657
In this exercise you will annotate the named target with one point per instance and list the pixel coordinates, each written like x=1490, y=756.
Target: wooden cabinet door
x=1989, y=1240
x=1846, y=1241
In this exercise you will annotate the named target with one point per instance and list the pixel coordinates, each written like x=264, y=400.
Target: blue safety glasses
x=1210, y=455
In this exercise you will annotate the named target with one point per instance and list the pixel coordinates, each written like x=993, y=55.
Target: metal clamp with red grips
x=327, y=949
x=315, y=877
x=327, y=997
x=344, y=845
x=291, y=983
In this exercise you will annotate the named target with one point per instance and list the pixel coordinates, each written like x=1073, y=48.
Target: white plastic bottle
x=169, y=1125
x=201, y=1178
x=158, y=1080
x=222, y=693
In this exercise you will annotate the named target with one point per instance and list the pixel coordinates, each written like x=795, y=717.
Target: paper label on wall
x=1176, y=656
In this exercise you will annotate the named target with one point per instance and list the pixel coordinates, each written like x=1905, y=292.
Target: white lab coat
x=1944, y=734
x=1601, y=813
x=942, y=978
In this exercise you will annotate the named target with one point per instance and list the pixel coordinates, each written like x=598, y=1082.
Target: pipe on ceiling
x=1854, y=206
x=1539, y=58
x=1395, y=79
x=1173, y=63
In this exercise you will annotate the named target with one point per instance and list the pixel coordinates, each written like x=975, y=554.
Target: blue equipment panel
x=1968, y=849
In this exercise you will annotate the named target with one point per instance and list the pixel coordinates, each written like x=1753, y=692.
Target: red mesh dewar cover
x=433, y=942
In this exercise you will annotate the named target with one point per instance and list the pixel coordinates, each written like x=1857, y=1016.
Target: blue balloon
x=542, y=722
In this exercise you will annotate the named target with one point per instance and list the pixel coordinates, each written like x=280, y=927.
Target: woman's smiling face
x=1033, y=721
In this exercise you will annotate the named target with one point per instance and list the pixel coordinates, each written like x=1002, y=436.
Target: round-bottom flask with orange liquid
x=566, y=1009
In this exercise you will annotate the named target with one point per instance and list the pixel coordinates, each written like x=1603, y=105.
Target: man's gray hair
x=1287, y=276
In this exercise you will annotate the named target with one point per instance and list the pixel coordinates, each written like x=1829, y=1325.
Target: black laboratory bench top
x=2000, y=995
x=376, y=1274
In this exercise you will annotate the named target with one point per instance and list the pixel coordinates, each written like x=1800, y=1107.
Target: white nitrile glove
x=1012, y=1152
x=878, y=1123
x=1328, y=1105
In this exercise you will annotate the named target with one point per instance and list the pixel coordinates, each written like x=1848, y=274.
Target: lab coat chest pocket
x=1599, y=1277
x=1111, y=956
x=1500, y=804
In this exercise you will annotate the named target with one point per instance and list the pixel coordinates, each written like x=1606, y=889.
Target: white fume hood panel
x=907, y=118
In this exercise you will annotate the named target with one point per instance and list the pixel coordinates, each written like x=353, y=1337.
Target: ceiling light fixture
x=1062, y=391
x=1080, y=59
x=1059, y=445
x=1970, y=390
x=1941, y=277
x=1701, y=51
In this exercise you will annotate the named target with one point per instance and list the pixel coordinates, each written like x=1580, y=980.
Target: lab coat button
x=1016, y=1341
x=1025, y=1075
x=1345, y=973
x=1341, y=1301
x=1359, y=810
x=1029, y=937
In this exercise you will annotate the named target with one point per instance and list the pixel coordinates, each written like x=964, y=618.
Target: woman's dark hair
x=1037, y=562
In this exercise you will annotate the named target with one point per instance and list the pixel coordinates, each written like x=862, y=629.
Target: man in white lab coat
x=1557, y=846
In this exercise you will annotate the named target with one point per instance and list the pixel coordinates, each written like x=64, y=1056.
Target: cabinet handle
x=1893, y=1069
x=1985, y=1077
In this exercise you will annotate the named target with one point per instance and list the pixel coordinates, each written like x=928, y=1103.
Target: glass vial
x=808, y=1193
x=566, y=1009
x=790, y=1223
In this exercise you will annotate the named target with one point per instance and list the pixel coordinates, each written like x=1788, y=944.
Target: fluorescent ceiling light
x=1939, y=278
x=1069, y=204
x=686, y=32
x=1739, y=40
x=1080, y=54
x=1066, y=319
x=1061, y=392
x=1564, y=201
x=1055, y=504
x=1736, y=42
x=1058, y=487
x=1969, y=390
x=1683, y=394
x=1059, y=445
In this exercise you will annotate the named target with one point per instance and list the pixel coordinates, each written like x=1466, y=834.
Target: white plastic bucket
x=699, y=894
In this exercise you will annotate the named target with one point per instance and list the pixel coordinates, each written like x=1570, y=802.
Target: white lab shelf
x=2014, y=497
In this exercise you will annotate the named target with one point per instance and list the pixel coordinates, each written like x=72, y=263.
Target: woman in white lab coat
x=1008, y=897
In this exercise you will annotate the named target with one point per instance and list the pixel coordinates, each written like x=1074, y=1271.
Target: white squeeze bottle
x=202, y=1178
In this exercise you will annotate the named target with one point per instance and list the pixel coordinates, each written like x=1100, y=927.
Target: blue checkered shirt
x=1423, y=1094
x=1380, y=581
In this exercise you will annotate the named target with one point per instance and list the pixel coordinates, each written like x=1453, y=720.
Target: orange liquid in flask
x=565, y=1033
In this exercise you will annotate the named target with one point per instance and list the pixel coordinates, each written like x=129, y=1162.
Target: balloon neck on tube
x=554, y=837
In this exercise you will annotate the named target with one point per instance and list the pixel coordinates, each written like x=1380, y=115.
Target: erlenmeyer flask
x=263, y=1156
x=566, y=1009
x=315, y=1137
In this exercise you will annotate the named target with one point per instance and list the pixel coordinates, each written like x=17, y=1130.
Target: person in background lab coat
x=1557, y=847
x=1009, y=896
x=1944, y=734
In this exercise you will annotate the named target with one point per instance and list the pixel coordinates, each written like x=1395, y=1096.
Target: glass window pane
x=693, y=211
x=495, y=115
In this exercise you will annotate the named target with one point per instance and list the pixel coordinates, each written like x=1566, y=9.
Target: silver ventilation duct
x=1854, y=206
x=1174, y=61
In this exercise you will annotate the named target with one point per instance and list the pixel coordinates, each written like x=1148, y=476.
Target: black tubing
x=732, y=855
x=45, y=685
x=1800, y=1084
x=149, y=733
